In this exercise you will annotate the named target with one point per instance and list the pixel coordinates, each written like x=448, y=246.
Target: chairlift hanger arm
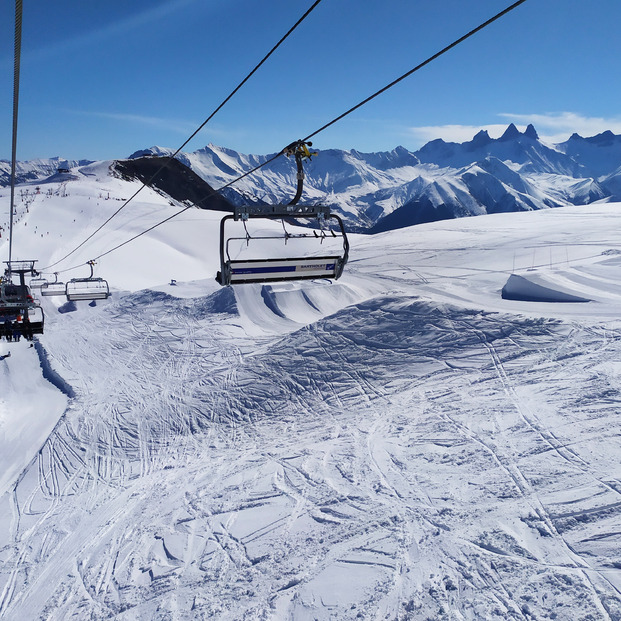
x=299, y=149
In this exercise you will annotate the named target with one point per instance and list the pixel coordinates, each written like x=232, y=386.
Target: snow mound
x=524, y=290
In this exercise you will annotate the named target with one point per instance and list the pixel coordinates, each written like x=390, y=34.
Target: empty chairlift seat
x=38, y=282
x=53, y=288
x=90, y=288
x=278, y=269
x=86, y=289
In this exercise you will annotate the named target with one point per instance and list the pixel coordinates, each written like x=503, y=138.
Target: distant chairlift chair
x=37, y=282
x=237, y=271
x=90, y=288
x=53, y=288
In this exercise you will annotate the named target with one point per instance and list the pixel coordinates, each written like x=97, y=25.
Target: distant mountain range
x=387, y=190
x=36, y=170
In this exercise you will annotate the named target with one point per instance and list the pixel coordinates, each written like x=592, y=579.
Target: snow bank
x=520, y=288
x=30, y=407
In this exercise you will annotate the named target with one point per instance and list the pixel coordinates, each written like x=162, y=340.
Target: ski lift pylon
x=277, y=269
x=90, y=288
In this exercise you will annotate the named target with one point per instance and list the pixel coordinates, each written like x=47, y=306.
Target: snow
x=30, y=406
x=521, y=288
x=403, y=443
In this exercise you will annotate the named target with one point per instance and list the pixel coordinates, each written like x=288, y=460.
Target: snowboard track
x=373, y=441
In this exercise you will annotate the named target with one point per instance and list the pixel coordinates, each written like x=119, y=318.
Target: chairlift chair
x=278, y=269
x=36, y=320
x=12, y=294
x=90, y=288
x=53, y=288
x=17, y=306
x=37, y=282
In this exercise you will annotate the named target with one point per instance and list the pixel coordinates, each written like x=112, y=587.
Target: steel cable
x=171, y=157
x=323, y=127
x=16, y=71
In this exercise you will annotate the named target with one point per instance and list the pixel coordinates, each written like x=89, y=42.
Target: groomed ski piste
x=403, y=443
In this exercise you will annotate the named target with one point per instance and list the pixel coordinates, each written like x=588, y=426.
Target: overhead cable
x=171, y=157
x=323, y=127
x=420, y=66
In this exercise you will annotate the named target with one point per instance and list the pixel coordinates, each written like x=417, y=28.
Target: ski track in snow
x=390, y=460
x=378, y=448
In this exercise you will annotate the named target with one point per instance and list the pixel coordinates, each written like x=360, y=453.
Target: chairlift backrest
x=35, y=322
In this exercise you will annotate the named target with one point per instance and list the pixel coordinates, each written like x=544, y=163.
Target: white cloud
x=552, y=128
x=174, y=125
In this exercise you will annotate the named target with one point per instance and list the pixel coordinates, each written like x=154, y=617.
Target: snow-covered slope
x=403, y=443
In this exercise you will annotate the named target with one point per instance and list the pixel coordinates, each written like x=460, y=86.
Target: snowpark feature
x=521, y=288
x=403, y=443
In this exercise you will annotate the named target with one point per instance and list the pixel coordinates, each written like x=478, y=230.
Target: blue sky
x=101, y=79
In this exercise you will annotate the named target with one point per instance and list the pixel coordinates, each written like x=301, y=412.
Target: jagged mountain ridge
x=442, y=180
x=381, y=191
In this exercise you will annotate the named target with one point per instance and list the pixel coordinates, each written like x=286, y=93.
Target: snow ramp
x=525, y=290
x=284, y=307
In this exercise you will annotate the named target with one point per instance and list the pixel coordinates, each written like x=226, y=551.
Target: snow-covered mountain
x=443, y=180
x=433, y=436
x=383, y=191
x=37, y=169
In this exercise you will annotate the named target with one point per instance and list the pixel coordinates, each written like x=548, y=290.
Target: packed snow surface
x=403, y=443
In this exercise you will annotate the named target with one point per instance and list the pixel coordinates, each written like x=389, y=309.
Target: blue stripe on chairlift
x=282, y=268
